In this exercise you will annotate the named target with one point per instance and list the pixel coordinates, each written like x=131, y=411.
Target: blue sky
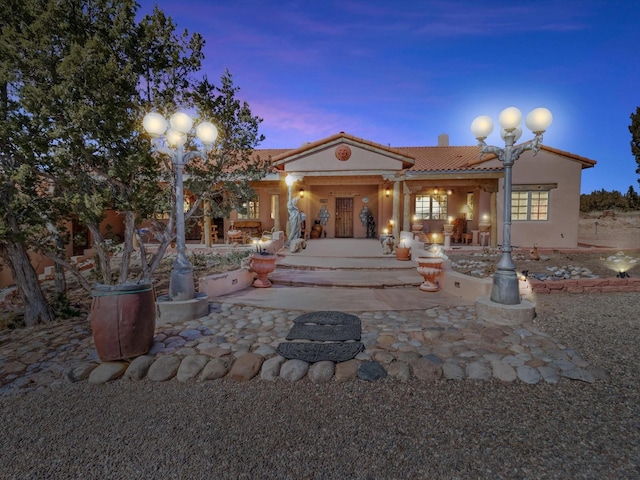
x=401, y=72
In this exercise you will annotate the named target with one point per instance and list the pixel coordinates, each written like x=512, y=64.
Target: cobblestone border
x=585, y=285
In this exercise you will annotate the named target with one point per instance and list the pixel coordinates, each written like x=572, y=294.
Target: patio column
x=396, y=209
x=276, y=213
x=406, y=215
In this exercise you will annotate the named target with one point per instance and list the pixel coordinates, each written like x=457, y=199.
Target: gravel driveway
x=382, y=430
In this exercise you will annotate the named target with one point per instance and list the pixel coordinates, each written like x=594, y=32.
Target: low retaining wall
x=585, y=285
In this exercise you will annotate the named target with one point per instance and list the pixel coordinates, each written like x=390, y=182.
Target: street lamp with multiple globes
x=505, y=288
x=181, y=283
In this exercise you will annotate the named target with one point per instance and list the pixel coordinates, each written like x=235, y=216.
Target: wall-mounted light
x=301, y=192
x=435, y=190
x=449, y=192
x=387, y=192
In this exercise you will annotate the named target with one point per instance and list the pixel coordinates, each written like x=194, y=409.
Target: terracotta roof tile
x=427, y=159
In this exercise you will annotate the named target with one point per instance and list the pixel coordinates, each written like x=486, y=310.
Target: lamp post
x=181, y=283
x=505, y=288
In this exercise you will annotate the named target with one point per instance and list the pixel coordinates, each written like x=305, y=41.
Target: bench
x=247, y=228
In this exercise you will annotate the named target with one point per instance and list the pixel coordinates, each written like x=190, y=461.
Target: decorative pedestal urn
x=484, y=226
x=430, y=268
x=448, y=228
x=263, y=265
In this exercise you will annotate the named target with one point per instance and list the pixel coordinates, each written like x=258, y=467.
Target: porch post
x=406, y=215
x=396, y=209
x=276, y=213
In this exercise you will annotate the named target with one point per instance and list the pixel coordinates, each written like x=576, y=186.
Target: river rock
x=293, y=370
x=371, y=371
x=246, y=367
x=346, y=371
x=105, y=372
x=164, y=368
x=139, y=367
x=271, y=368
x=216, y=368
x=321, y=372
x=190, y=367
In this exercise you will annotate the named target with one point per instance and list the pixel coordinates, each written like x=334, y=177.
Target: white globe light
x=288, y=180
x=154, y=123
x=481, y=127
x=517, y=133
x=539, y=120
x=181, y=122
x=176, y=138
x=510, y=118
x=207, y=133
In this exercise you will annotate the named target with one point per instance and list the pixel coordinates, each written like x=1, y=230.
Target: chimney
x=443, y=140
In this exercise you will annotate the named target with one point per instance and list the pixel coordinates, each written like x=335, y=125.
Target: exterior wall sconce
x=387, y=192
x=301, y=192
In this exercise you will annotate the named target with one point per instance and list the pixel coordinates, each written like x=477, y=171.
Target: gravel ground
x=382, y=430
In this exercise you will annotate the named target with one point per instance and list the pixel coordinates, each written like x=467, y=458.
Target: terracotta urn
x=263, y=265
x=430, y=267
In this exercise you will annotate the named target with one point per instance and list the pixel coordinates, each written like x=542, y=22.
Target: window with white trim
x=527, y=205
x=431, y=207
x=250, y=209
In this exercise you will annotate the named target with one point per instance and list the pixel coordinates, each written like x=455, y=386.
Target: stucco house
x=341, y=179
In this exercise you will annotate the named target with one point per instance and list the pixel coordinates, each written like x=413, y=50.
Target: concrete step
x=361, y=278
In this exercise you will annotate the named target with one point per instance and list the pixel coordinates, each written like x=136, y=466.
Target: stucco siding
x=561, y=228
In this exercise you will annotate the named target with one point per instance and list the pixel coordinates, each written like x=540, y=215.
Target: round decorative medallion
x=343, y=152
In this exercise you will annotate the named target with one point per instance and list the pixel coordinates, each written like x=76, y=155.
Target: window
x=530, y=205
x=470, y=203
x=431, y=207
x=249, y=209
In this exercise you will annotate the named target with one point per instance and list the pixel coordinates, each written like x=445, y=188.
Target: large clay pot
x=403, y=253
x=263, y=265
x=123, y=320
x=316, y=231
x=430, y=268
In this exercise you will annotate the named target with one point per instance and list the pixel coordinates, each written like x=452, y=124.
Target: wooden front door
x=344, y=217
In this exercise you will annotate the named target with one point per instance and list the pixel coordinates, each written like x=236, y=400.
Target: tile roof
x=337, y=138
x=430, y=159
x=427, y=159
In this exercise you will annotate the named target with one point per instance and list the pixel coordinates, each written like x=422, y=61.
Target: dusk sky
x=402, y=72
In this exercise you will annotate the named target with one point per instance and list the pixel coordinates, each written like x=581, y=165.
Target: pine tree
x=634, y=128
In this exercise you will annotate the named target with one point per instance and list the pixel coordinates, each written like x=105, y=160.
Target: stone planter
x=263, y=265
x=218, y=284
x=484, y=226
x=448, y=228
x=430, y=268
